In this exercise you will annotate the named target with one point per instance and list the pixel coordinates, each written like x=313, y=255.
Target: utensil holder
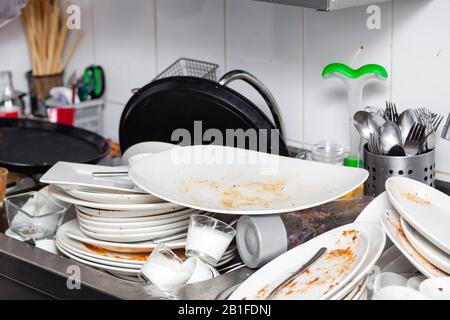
x=420, y=167
x=40, y=87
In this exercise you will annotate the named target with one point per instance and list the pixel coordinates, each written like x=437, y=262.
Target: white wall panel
x=190, y=28
x=421, y=61
x=125, y=45
x=336, y=37
x=14, y=53
x=84, y=55
x=267, y=40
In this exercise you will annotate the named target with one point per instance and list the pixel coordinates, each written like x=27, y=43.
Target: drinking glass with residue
x=208, y=238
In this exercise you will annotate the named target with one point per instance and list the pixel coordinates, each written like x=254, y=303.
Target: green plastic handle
x=345, y=70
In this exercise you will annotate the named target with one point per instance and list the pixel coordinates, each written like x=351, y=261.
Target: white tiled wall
x=286, y=47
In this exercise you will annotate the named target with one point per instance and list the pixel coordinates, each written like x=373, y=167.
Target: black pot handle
x=262, y=90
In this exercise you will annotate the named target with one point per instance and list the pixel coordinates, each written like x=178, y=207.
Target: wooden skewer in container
x=50, y=43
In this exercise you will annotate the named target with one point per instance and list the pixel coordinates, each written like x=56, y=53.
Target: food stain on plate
x=395, y=224
x=235, y=195
x=323, y=276
x=105, y=253
x=416, y=198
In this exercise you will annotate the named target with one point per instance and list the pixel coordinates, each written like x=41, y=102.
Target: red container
x=14, y=114
x=62, y=115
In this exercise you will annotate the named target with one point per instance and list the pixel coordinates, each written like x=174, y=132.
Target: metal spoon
x=377, y=118
x=389, y=136
x=397, y=151
x=405, y=122
x=360, y=120
x=375, y=122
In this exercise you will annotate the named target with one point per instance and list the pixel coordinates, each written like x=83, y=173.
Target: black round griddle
x=163, y=106
x=33, y=146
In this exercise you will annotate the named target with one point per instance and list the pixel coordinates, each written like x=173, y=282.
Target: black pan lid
x=159, y=110
x=33, y=146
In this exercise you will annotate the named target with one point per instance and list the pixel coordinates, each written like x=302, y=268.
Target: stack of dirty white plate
x=419, y=225
x=112, y=208
x=122, y=259
x=118, y=224
x=124, y=217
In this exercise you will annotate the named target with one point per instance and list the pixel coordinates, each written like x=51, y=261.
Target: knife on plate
x=298, y=272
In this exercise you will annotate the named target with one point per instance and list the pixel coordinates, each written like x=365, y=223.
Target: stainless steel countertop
x=18, y=259
x=46, y=273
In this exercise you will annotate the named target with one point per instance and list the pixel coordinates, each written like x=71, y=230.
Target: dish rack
x=190, y=68
x=86, y=115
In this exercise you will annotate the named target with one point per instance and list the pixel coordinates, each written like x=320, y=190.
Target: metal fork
x=390, y=113
x=437, y=122
x=429, y=142
x=374, y=143
x=414, y=140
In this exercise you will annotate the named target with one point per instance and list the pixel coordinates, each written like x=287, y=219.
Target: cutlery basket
x=381, y=168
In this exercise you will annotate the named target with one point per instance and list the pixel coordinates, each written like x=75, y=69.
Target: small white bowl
x=386, y=279
x=398, y=293
x=137, y=157
x=414, y=282
x=436, y=288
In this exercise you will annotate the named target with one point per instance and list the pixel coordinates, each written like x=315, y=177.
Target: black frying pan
x=165, y=105
x=33, y=146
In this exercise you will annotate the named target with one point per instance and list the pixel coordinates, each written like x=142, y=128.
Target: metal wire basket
x=86, y=115
x=421, y=168
x=191, y=68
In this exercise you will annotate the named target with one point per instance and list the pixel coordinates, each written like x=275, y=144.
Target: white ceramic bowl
x=398, y=293
x=145, y=147
x=387, y=279
x=436, y=288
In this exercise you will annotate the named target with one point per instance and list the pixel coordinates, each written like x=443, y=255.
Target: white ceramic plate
x=135, y=237
x=347, y=250
x=127, y=260
x=75, y=247
x=78, y=175
x=134, y=272
x=112, y=197
x=373, y=211
x=145, y=147
x=72, y=230
x=377, y=244
x=130, y=232
x=429, y=251
x=391, y=224
x=119, y=217
x=59, y=194
x=424, y=208
x=97, y=260
x=134, y=215
x=255, y=183
x=357, y=291
x=224, y=260
x=129, y=225
x=365, y=295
